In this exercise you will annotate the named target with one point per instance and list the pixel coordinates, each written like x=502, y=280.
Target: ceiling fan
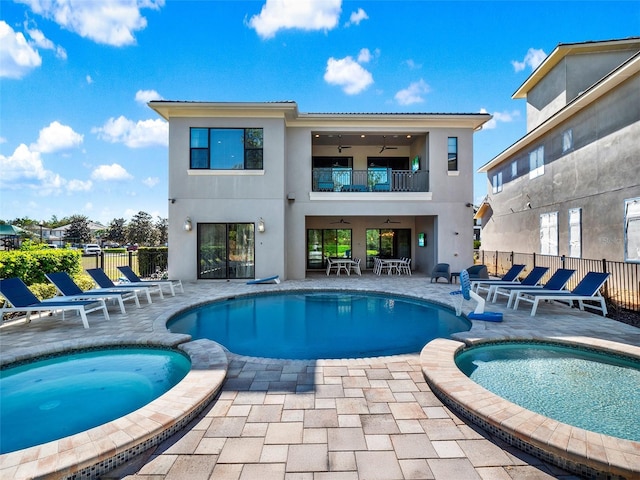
x=388, y=221
x=342, y=221
x=384, y=145
x=340, y=146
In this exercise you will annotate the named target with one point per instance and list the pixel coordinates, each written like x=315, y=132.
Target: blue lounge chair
x=68, y=288
x=587, y=290
x=483, y=284
x=530, y=280
x=104, y=281
x=18, y=298
x=136, y=280
x=557, y=282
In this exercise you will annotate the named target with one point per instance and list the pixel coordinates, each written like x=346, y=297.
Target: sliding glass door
x=322, y=243
x=388, y=243
x=226, y=250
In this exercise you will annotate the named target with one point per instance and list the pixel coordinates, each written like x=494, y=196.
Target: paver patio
x=354, y=419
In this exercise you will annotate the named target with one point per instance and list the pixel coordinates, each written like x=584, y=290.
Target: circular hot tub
x=533, y=380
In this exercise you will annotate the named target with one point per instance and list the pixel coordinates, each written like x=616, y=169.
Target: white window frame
x=575, y=232
x=536, y=162
x=632, y=230
x=567, y=140
x=514, y=169
x=497, y=182
x=549, y=233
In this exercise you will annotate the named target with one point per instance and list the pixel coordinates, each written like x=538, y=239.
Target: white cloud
x=3, y=140
x=504, y=117
x=413, y=93
x=145, y=96
x=40, y=41
x=79, y=185
x=532, y=59
x=356, y=17
x=364, y=56
x=111, y=22
x=56, y=137
x=151, y=181
x=348, y=74
x=301, y=14
x=144, y=133
x=89, y=79
x=110, y=173
x=412, y=64
x=24, y=170
x=17, y=56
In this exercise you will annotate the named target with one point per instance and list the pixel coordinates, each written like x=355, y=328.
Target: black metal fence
x=622, y=289
x=145, y=263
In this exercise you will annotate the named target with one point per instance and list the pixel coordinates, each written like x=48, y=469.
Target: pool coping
x=586, y=453
x=91, y=453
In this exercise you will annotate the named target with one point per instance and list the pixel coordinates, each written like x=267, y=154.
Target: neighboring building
x=571, y=185
x=259, y=189
x=56, y=236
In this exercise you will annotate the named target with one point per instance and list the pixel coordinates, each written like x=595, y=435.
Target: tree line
x=141, y=230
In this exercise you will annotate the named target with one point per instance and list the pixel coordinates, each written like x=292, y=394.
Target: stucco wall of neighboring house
x=596, y=175
x=220, y=197
x=569, y=78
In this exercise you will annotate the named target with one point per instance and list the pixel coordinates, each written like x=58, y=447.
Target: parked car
x=92, y=249
x=132, y=248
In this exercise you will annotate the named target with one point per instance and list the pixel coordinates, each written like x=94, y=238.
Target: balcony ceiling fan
x=340, y=146
x=388, y=221
x=384, y=145
x=342, y=221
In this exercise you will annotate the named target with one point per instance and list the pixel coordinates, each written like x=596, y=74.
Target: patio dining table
x=340, y=264
x=392, y=265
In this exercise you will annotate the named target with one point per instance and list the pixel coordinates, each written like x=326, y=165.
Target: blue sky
x=76, y=136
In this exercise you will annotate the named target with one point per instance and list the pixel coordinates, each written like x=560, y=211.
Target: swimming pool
x=586, y=388
x=319, y=324
x=62, y=395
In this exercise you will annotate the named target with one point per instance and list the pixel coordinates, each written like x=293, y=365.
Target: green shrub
x=31, y=265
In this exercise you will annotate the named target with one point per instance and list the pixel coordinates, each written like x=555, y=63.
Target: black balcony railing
x=342, y=179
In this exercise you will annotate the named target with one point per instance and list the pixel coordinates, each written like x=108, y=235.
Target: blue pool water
x=313, y=325
x=584, y=388
x=52, y=398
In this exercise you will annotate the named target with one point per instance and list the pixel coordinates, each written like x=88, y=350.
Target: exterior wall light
x=187, y=225
x=261, y=225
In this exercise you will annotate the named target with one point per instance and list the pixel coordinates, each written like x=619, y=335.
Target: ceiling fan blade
x=388, y=220
x=341, y=221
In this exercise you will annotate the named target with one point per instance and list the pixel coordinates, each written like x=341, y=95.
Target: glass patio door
x=388, y=243
x=322, y=243
x=226, y=250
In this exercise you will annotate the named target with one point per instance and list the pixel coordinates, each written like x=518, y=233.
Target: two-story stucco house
x=571, y=185
x=260, y=189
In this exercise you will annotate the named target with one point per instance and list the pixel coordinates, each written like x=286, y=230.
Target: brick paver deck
x=355, y=419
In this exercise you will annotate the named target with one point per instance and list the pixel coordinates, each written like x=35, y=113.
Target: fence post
x=130, y=258
x=101, y=260
x=604, y=270
x=495, y=271
x=512, y=257
x=562, y=259
x=534, y=259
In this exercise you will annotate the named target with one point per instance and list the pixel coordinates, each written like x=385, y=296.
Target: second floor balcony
x=343, y=179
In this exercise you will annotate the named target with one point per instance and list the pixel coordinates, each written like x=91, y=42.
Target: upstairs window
x=226, y=149
x=536, y=162
x=497, y=182
x=575, y=232
x=452, y=150
x=567, y=140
